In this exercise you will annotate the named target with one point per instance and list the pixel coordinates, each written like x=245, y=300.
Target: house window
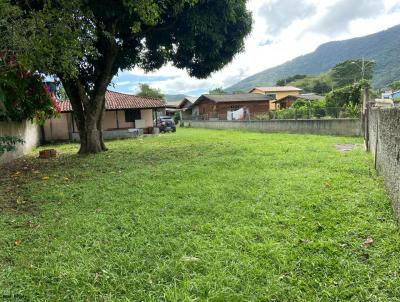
x=272, y=95
x=235, y=107
x=131, y=115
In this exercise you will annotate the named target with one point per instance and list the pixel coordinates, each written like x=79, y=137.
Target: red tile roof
x=116, y=100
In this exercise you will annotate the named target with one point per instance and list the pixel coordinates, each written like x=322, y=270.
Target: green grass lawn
x=200, y=215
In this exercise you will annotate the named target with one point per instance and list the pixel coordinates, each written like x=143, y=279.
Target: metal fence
x=285, y=114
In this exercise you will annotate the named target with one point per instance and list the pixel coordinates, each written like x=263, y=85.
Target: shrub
x=8, y=143
x=346, y=95
x=23, y=94
x=177, y=117
x=352, y=110
x=319, y=108
x=301, y=103
x=321, y=87
x=289, y=113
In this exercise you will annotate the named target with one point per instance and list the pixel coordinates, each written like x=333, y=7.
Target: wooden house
x=217, y=106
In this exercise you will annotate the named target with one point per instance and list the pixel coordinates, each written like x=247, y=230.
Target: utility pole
x=365, y=104
x=363, y=68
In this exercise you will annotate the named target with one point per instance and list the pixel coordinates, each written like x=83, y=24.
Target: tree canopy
x=284, y=82
x=218, y=90
x=30, y=43
x=321, y=87
x=45, y=36
x=395, y=85
x=350, y=94
x=147, y=91
x=352, y=71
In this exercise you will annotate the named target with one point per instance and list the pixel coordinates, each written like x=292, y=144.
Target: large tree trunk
x=91, y=137
x=88, y=115
x=87, y=95
x=91, y=131
x=90, y=126
x=100, y=127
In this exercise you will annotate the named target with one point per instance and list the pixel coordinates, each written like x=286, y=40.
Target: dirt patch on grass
x=344, y=147
x=13, y=178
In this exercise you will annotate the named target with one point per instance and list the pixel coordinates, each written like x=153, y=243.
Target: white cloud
x=124, y=83
x=337, y=17
x=280, y=14
x=299, y=36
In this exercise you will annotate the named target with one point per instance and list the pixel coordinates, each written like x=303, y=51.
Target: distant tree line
x=283, y=82
x=218, y=90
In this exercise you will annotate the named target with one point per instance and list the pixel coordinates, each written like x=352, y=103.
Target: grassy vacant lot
x=199, y=215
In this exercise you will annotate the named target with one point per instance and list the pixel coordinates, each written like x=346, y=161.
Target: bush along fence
x=286, y=114
x=384, y=144
x=311, y=113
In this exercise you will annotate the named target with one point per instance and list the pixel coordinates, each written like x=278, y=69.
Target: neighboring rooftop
x=239, y=97
x=277, y=89
x=172, y=104
x=310, y=96
x=191, y=99
x=117, y=100
x=305, y=96
x=186, y=102
x=178, y=104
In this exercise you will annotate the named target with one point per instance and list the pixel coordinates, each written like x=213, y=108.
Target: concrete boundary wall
x=384, y=143
x=113, y=134
x=25, y=130
x=342, y=127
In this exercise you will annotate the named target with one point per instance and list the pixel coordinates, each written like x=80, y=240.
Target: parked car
x=165, y=124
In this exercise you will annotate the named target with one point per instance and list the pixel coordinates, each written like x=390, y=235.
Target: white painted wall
x=147, y=115
x=26, y=130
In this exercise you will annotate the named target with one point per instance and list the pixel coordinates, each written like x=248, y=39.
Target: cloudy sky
x=282, y=30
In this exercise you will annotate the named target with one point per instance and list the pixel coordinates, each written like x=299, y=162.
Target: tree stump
x=48, y=153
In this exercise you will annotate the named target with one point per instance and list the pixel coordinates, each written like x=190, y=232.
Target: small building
x=217, y=106
x=185, y=107
x=396, y=95
x=387, y=94
x=390, y=94
x=123, y=112
x=288, y=100
x=171, y=107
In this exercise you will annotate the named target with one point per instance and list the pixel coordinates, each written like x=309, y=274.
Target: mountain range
x=382, y=47
x=174, y=97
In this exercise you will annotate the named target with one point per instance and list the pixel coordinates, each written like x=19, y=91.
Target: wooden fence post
x=376, y=143
x=365, y=117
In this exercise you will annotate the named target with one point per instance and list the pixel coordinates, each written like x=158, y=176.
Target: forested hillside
x=383, y=47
